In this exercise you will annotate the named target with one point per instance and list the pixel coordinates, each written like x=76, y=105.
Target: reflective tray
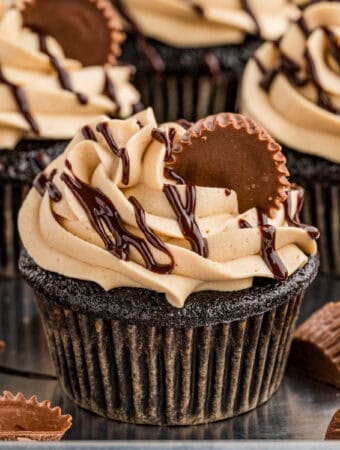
x=300, y=410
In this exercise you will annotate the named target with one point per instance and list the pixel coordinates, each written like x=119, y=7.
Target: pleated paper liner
x=188, y=97
x=170, y=376
x=12, y=195
x=322, y=209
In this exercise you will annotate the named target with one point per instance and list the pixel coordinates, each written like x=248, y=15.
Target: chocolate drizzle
x=334, y=46
x=290, y=69
x=107, y=222
x=44, y=182
x=137, y=107
x=21, y=101
x=151, y=237
x=242, y=223
x=245, y=5
x=198, y=9
x=110, y=92
x=185, y=123
x=323, y=99
x=63, y=76
x=122, y=153
x=212, y=64
x=302, y=24
x=294, y=220
x=186, y=217
x=286, y=66
x=144, y=46
x=166, y=138
x=268, y=250
x=172, y=175
x=88, y=133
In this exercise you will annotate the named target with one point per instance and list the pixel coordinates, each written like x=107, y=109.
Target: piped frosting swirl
x=105, y=211
x=44, y=95
x=292, y=88
x=207, y=23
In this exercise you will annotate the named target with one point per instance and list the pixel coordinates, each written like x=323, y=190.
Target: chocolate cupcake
x=293, y=90
x=190, y=54
x=49, y=88
x=169, y=282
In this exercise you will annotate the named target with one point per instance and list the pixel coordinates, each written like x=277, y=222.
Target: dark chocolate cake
x=194, y=61
x=27, y=159
x=145, y=306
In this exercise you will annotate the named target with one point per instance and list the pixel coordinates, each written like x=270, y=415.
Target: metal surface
x=301, y=409
x=188, y=445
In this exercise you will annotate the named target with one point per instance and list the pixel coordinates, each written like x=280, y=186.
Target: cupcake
x=293, y=90
x=52, y=81
x=169, y=282
x=189, y=54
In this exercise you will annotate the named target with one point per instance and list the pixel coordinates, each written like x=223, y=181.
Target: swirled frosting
x=46, y=96
x=206, y=23
x=105, y=212
x=293, y=89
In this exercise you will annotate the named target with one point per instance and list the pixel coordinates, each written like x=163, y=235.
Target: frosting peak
x=47, y=96
x=119, y=221
x=293, y=88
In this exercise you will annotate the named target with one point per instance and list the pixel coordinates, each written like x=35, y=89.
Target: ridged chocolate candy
x=333, y=431
x=30, y=420
x=231, y=151
x=316, y=345
x=87, y=30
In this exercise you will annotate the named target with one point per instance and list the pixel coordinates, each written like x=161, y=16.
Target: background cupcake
x=46, y=96
x=293, y=90
x=166, y=302
x=189, y=54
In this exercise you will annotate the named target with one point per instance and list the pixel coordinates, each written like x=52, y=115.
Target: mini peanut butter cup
x=231, y=151
x=333, y=430
x=87, y=30
x=316, y=345
x=30, y=419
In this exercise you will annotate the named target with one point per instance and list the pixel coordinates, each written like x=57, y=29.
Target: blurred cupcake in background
x=189, y=54
x=58, y=70
x=293, y=90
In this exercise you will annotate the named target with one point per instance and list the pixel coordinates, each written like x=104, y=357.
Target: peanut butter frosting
x=44, y=95
x=293, y=88
x=207, y=23
x=107, y=211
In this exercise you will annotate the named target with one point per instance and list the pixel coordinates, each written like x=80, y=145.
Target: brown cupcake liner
x=190, y=97
x=12, y=195
x=322, y=209
x=169, y=376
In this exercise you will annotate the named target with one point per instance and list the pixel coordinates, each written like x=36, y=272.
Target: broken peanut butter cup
x=316, y=345
x=87, y=30
x=231, y=151
x=28, y=419
x=333, y=430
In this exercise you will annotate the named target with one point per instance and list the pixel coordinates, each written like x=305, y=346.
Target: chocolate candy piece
x=316, y=345
x=29, y=419
x=2, y=345
x=333, y=430
x=87, y=30
x=231, y=151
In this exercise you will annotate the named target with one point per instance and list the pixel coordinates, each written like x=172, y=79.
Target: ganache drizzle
x=186, y=217
x=103, y=216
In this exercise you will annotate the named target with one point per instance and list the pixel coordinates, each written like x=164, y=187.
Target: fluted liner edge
x=169, y=376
